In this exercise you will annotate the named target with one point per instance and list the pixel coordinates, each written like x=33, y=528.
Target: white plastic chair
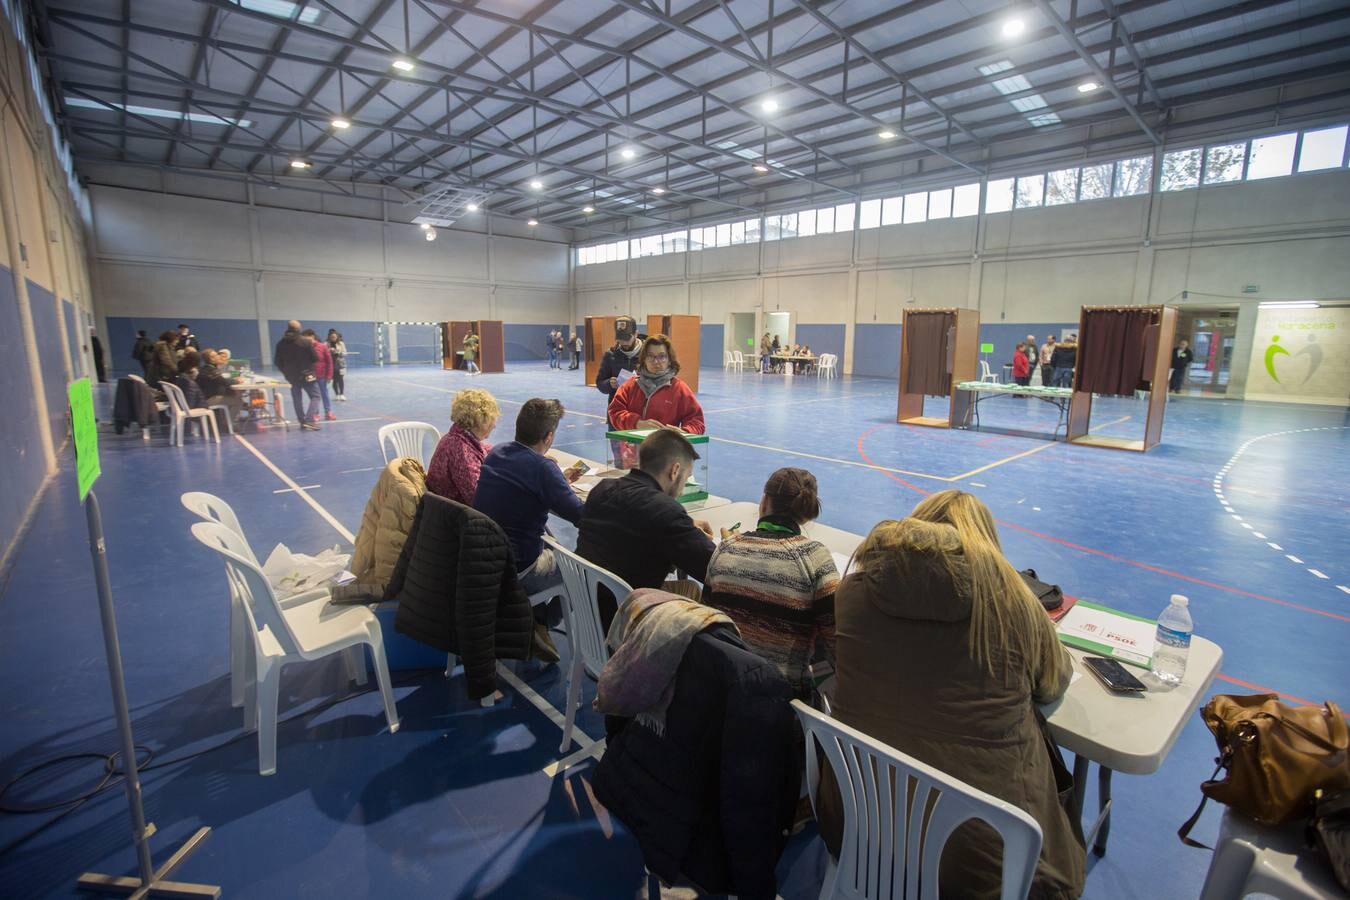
x=181, y=412
x=728, y=361
x=987, y=374
x=211, y=508
x=1253, y=859
x=284, y=635
x=825, y=366
x=738, y=360
x=581, y=612
x=408, y=439
x=888, y=850
x=226, y=413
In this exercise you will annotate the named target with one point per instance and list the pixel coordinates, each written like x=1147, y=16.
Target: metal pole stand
x=150, y=882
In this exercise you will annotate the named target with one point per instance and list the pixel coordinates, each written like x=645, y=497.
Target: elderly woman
x=454, y=468
x=657, y=396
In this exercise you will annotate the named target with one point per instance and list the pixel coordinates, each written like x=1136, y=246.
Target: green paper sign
x=986, y=348
x=82, y=424
x=750, y=342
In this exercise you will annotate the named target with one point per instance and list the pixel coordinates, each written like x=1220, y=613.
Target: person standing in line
x=1182, y=356
x=471, y=353
x=622, y=357
x=338, y=350
x=164, y=361
x=323, y=371
x=96, y=348
x=1047, y=353
x=1030, y=351
x=296, y=357
x=143, y=351
x=558, y=347
x=552, y=354
x=1063, y=360
x=574, y=343
x=1021, y=365
x=765, y=350
x=657, y=397
x=186, y=340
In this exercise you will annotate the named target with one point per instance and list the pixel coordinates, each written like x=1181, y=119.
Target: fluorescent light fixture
x=532, y=222
x=471, y=207
x=1013, y=27
x=658, y=190
x=536, y=184
x=426, y=226
x=299, y=164
x=1088, y=87
x=341, y=123
x=761, y=168
x=1289, y=304
x=403, y=65
x=628, y=153
x=431, y=234
x=768, y=105
x=152, y=112
x=886, y=135
x=588, y=209
x=282, y=9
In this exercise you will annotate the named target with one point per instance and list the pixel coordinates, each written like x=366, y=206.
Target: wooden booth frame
x=491, y=344
x=963, y=345
x=1157, y=360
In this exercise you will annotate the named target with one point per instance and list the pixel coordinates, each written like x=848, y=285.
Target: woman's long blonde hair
x=960, y=529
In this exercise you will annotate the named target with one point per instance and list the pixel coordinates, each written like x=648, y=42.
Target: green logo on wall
x=1313, y=351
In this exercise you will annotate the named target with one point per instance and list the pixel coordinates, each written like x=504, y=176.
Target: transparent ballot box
x=623, y=454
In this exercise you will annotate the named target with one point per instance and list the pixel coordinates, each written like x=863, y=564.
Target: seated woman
x=187, y=382
x=656, y=397
x=458, y=458
x=776, y=584
x=942, y=652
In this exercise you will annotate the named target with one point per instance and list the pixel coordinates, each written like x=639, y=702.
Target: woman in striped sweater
x=776, y=584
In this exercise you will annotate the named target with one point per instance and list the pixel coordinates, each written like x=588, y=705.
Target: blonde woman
x=458, y=458
x=942, y=652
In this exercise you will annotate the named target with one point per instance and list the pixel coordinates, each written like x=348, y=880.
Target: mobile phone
x=1113, y=675
x=580, y=467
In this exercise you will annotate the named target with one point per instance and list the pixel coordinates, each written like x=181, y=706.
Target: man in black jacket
x=295, y=357
x=634, y=527
x=1182, y=357
x=143, y=352
x=623, y=355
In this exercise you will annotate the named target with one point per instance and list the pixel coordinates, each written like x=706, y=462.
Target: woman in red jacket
x=1021, y=365
x=323, y=371
x=656, y=396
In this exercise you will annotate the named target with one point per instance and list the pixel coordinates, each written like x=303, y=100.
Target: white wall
x=1290, y=236
x=163, y=255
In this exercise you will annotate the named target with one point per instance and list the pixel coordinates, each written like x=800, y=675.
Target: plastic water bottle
x=1173, y=643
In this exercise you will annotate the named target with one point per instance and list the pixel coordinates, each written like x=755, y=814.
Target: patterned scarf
x=649, y=635
x=650, y=383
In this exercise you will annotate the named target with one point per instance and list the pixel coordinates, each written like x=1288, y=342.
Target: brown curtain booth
x=927, y=362
x=1112, y=349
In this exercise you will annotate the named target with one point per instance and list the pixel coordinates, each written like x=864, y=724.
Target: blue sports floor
x=457, y=804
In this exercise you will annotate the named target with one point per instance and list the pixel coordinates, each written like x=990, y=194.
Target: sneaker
x=309, y=426
x=342, y=398
x=330, y=417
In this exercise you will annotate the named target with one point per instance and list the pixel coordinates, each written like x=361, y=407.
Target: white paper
x=290, y=573
x=624, y=375
x=584, y=484
x=840, y=563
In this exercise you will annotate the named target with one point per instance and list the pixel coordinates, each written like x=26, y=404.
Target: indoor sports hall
x=1086, y=261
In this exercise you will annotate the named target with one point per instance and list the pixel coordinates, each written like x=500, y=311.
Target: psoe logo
x=1313, y=351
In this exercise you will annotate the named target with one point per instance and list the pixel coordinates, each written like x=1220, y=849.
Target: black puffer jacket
x=712, y=799
x=455, y=584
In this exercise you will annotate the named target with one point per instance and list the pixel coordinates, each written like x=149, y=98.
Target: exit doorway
x=743, y=334
x=1212, y=334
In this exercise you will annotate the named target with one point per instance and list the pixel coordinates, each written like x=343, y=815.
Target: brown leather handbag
x=1275, y=755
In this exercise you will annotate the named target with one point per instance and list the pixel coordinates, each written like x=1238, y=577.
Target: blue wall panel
x=358, y=336
x=876, y=350
x=526, y=342
x=239, y=335
x=74, y=338
x=20, y=441
x=823, y=339
x=47, y=329
x=711, y=343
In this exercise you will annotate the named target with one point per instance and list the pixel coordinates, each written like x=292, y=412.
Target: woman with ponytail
x=942, y=652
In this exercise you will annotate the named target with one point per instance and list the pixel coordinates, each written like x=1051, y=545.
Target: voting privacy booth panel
x=939, y=349
x=597, y=340
x=1121, y=350
x=684, y=334
x=491, y=344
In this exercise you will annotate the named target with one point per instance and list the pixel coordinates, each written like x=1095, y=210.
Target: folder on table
x=1109, y=632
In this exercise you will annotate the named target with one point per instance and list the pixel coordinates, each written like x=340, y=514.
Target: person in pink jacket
x=458, y=458
x=323, y=371
x=656, y=396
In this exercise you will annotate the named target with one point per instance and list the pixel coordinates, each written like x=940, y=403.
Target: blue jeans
x=298, y=392
x=1063, y=377
x=323, y=395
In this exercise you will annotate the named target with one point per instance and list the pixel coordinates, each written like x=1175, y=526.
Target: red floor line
x=1111, y=556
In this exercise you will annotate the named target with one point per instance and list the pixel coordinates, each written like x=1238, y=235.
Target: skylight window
x=282, y=9
x=1018, y=84
x=153, y=112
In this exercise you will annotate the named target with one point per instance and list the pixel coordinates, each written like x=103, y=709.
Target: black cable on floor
x=112, y=769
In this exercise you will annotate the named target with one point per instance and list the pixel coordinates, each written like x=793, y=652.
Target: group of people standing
x=1056, y=359
x=555, y=346
x=309, y=365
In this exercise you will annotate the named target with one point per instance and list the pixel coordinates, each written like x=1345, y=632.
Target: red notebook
x=1057, y=614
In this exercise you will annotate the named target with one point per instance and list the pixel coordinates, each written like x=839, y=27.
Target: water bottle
x=1173, y=643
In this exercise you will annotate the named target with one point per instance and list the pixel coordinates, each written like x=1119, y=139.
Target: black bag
x=1050, y=595
x=1329, y=832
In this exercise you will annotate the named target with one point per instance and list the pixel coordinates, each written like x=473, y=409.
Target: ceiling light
x=588, y=209
x=536, y=184
x=341, y=123
x=471, y=207
x=886, y=135
x=431, y=234
x=628, y=153
x=1013, y=27
x=426, y=226
x=1289, y=304
x=403, y=65
x=1088, y=87
x=299, y=164
x=658, y=190
x=769, y=105
x=532, y=222
x=760, y=168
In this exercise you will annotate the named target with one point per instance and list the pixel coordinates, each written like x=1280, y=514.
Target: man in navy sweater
x=518, y=487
